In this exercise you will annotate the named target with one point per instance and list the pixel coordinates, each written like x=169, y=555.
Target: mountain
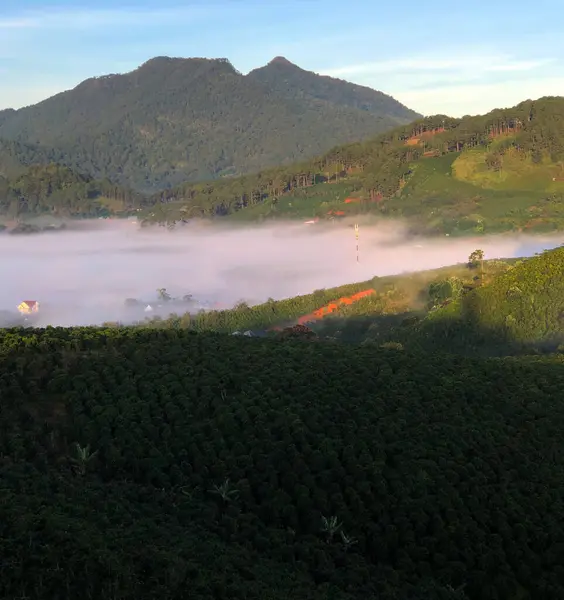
x=173, y=120
x=294, y=83
x=501, y=171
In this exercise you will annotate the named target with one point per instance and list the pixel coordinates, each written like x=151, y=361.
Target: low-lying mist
x=84, y=274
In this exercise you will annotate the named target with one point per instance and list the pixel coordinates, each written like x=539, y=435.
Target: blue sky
x=434, y=56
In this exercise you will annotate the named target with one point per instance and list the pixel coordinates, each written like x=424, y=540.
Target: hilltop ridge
x=293, y=82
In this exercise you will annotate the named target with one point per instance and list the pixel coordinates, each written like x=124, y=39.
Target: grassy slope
x=454, y=194
x=305, y=203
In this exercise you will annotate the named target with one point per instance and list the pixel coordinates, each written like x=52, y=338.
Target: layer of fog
x=83, y=275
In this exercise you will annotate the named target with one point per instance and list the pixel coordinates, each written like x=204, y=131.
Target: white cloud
x=90, y=18
x=472, y=83
x=479, y=98
x=16, y=23
x=433, y=64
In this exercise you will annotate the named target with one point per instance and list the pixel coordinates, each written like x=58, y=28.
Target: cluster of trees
x=160, y=463
x=173, y=120
x=57, y=190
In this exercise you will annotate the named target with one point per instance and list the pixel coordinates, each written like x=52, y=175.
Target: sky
x=435, y=56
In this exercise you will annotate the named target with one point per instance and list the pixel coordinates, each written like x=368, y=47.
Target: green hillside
x=521, y=310
x=394, y=304
x=173, y=120
x=139, y=464
x=502, y=171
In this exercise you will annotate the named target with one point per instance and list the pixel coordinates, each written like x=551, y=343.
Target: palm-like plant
x=330, y=526
x=225, y=492
x=348, y=541
x=82, y=458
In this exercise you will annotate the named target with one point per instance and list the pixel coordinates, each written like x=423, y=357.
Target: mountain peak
x=281, y=60
x=159, y=61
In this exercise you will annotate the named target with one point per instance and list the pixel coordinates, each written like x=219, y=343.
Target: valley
x=416, y=464
x=277, y=335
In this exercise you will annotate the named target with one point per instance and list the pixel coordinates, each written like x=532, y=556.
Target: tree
x=477, y=258
x=444, y=290
x=348, y=541
x=164, y=295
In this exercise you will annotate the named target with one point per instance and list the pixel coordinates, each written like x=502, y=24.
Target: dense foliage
x=57, y=190
x=15, y=157
x=174, y=120
x=164, y=464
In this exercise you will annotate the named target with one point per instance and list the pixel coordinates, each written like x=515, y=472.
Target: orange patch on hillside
x=415, y=139
x=333, y=306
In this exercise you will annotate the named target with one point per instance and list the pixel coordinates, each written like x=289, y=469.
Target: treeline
x=142, y=464
x=57, y=190
x=377, y=169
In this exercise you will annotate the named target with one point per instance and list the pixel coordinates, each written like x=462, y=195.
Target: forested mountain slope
x=173, y=120
x=16, y=157
x=500, y=171
x=163, y=464
x=294, y=83
x=5, y=114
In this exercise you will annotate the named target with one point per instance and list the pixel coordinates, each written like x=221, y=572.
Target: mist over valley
x=83, y=275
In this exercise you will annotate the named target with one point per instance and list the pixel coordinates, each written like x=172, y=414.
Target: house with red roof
x=27, y=307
